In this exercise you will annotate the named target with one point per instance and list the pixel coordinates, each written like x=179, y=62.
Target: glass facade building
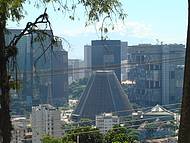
x=106, y=55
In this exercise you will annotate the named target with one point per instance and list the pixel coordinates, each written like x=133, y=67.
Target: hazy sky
x=147, y=21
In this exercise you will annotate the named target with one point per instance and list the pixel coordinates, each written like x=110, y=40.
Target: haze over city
x=148, y=21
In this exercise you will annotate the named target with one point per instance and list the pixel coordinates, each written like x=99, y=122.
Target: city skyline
x=81, y=72
x=151, y=24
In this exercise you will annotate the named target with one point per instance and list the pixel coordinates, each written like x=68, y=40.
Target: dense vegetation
x=89, y=134
x=77, y=87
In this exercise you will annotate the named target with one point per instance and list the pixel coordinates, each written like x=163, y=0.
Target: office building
x=76, y=70
x=106, y=121
x=155, y=73
x=106, y=55
x=88, y=56
x=46, y=120
x=59, y=77
x=124, y=46
x=44, y=76
x=87, y=60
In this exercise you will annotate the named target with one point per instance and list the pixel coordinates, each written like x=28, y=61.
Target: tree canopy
x=77, y=87
x=83, y=134
x=95, y=10
x=92, y=135
x=120, y=134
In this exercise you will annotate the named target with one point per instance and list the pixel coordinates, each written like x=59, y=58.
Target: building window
x=157, y=84
x=151, y=84
x=151, y=67
x=172, y=75
x=156, y=67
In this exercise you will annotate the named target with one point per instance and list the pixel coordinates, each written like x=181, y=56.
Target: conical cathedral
x=103, y=94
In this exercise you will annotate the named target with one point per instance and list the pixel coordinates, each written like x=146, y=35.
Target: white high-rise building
x=45, y=121
x=106, y=121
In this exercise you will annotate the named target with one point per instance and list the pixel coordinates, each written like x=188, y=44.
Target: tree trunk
x=5, y=120
x=184, y=129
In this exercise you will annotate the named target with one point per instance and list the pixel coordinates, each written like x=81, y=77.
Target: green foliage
x=48, y=139
x=76, y=88
x=86, y=122
x=151, y=126
x=11, y=9
x=86, y=135
x=133, y=135
x=15, y=85
x=92, y=135
x=121, y=135
x=96, y=8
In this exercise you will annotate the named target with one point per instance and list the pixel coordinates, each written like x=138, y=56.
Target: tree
x=121, y=135
x=76, y=88
x=48, y=139
x=85, y=134
x=14, y=10
x=8, y=54
x=184, y=129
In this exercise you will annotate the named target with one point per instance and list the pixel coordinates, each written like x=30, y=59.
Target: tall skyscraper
x=50, y=82
x=44, y=77
x=124, y=46
x=106, y=54
x=59, y=77
x=87, y=60
x=156, y=73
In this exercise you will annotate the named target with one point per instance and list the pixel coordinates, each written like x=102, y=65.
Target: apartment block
x=106, y=121
x=46, y=120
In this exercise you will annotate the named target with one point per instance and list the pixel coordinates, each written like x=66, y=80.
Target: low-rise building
x=106, y=121
x=21, y=129
x=66, y=115
x=158, y=112
x=73, y=102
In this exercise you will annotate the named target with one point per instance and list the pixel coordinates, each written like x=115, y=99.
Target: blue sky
x=147, y=21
